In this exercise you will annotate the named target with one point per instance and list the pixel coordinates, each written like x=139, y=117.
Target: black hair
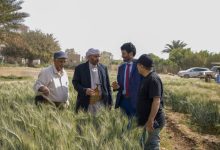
x=146, y=61
x=129, y=47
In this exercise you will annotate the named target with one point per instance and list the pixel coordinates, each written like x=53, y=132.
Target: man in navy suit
x=128, y=80
x=91, y=81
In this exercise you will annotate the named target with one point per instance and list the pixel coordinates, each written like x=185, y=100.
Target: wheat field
x=24, y=126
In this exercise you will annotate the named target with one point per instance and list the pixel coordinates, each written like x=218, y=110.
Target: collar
x=131, y=63
x=148, y=74
x=56, y=72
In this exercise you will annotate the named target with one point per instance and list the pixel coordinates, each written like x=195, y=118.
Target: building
x=1, y=56
x=73, y=58
x=106, y=58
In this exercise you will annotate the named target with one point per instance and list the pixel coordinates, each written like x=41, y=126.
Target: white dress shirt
x=94, y=73
x=56, y=82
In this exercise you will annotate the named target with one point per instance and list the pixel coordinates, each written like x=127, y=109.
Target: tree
x=41, y=45
x=155, y=59
x=10, y=19
x=17, y=47
x=201, y=58
x=167, y=66
x=162, y=65
x=179, y=57
x=174, y=45
x=212, y=59
x=36, y=45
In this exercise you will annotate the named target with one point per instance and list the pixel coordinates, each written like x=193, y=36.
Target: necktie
x=127, y=80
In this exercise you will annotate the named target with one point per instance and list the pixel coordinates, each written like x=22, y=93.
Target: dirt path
x=184, y=138
x=19, y=71
x=25, y=71
x=179, y=140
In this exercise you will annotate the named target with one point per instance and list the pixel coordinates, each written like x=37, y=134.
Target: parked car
x=194, y=72
x=212, y=73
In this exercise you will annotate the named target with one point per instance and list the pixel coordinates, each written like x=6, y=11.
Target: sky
x=107, y=24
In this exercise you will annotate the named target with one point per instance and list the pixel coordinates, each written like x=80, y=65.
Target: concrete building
x=73, y=58
x=106, y=58
x=2, y=58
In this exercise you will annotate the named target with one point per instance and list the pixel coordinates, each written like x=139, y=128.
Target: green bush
x=204, y=113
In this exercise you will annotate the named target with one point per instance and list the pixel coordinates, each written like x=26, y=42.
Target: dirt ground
x=24, y=71
x=185, y=138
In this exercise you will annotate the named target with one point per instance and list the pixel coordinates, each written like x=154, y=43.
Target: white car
x=192, y=72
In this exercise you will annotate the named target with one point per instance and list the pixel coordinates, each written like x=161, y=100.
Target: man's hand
x=44, y=90
x=115, y=85
x=150, y=125
x=90, y=92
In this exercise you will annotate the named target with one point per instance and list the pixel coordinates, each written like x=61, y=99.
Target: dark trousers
x=41, y=100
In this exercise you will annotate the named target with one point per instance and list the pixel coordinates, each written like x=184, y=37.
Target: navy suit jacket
x=134, y=82
x=82, y=80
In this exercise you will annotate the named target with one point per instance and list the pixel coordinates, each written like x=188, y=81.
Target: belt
x=94, y=99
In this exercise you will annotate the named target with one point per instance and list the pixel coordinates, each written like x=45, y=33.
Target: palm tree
x=10, y=18
x=174, y=45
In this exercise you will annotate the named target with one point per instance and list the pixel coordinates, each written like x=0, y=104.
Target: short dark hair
x=129, y=47
x=146, y=61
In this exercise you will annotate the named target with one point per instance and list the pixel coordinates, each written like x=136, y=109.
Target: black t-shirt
x=150, y=87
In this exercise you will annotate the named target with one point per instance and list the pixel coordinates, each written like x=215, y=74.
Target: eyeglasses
x=61, y=60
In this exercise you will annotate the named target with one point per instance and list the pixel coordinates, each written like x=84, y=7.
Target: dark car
x=212, y=73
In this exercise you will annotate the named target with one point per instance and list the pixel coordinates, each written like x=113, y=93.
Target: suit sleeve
x=77, y=81
x=118, y=78
x=108, y=87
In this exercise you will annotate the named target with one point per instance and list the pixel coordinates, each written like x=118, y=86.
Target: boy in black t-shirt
x=150, y=102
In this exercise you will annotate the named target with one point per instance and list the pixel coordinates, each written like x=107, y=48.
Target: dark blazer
x=82, y=80
x=134, y=82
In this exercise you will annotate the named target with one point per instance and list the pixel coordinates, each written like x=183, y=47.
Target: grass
x=195, y=97
x=28, y=127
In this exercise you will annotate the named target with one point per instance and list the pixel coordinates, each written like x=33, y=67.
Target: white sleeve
x=67, y=86
x=41, y=81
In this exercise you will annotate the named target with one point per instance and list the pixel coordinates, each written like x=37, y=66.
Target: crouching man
x=51, y=86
